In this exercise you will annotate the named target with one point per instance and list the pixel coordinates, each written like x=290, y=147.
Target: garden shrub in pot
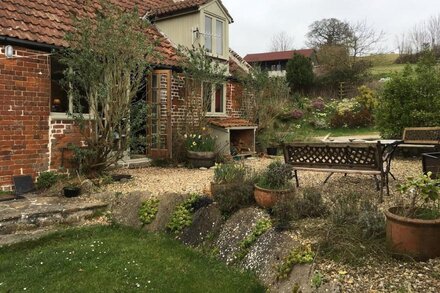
x=200, y=149
x=273, y=183
x=414, y=228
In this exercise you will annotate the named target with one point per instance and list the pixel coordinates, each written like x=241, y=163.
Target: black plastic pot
x=72, y=191
x=272, y=151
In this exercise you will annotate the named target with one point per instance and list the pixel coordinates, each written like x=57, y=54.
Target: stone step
x=39, y=212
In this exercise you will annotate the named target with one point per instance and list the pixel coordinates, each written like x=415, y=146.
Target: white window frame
x=213, y=36
x=212, y=112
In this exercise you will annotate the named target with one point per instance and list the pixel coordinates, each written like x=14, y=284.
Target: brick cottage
x=35, y=130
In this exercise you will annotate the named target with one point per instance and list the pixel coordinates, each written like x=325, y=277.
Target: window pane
x=59, y=101
x=208, y=33
x=219, y=33
x=219, y=98
x=207, y=96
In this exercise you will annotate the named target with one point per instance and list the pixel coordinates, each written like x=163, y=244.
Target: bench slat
x=335, y=170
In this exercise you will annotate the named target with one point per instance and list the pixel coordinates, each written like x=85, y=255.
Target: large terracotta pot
x=267, y=198
x=201, y=159
x=419, y=239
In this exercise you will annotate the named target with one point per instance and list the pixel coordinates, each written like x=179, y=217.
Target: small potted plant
x=227, y=175
x=413, y=228
x=273, y=183
x=200, y=149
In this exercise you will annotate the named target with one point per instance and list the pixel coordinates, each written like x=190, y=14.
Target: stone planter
x=201, y=159
x=414, y=237
x=267, y=198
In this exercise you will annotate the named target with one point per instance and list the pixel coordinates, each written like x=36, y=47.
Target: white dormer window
x=214, y=35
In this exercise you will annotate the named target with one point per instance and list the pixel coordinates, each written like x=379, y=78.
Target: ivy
x=260, y=228
x=299, y=255
x=183, y=214
x=148, y=211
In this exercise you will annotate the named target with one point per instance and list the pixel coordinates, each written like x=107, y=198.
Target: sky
x=256, y=21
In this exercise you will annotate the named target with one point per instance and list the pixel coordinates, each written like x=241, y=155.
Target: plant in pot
x=273, y=183
x=73, y=187
x=227, y=175
x=413, y=227
x=200, y=149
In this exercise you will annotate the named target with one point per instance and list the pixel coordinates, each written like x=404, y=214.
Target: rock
x=167, y=205
x=267, y=254
x=203, y=168
x=206, y=223
x=124, y=209
x=239, y=225
x=87, y=186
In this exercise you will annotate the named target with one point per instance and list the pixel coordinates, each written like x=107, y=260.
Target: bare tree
x=420, y=36
x=281, y=42
x=403, y=45
x=433, y=27
x=328, y=32
x=363, y=39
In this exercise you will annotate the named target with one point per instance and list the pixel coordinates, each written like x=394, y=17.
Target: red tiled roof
x=275, y=56
x=47, y=22
x=231, y=122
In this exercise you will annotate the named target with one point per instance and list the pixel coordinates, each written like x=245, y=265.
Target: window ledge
x=218, y=115
x=64, y=116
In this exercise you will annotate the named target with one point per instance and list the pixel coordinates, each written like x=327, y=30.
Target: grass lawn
x=112, y=259
x=310, y=132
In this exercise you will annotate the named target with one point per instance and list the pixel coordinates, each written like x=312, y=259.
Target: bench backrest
x=423, y=135
x=357, y=156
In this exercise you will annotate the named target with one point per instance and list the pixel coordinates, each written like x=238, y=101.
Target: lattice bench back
x=356, y=156
x=424, y=135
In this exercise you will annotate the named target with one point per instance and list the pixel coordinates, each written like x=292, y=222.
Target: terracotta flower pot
x=267, y=198
x=201, y=159
x=417, y=238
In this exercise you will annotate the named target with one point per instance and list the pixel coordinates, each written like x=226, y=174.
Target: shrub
x=234, y=197
x=299, y=72
x=277, y=176
x=371, y=221
x=47, y=180
x=367, y=98
x=350, y=113
x=318, y=104
x=284, y=212
x=344, y=208
x=229, y=173
x=410, y=99
x=311, y=204
x=297, y=114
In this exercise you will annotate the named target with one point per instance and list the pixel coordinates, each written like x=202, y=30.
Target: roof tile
x=275, y=56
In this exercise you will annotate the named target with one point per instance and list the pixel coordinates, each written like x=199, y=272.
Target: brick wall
x=24, y=112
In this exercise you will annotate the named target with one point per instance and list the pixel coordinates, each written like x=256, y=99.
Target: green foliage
x=299, y=72
x=310, y=205
x=138, y=115
x=116, y=259
x=47, y=180
x=424, y=195
x=230, y=173
x=107, y=57
x=350, y=113
x=317, y=279
x=284, y=211
x=260, y=228
x=367, y=98
x=410, y=99
x=182, y=216
x=202, y=142
x=299, y=255
x=235, y=196
x=148, y=211
x=277, y=176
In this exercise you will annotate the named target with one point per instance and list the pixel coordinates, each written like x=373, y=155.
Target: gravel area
x=376, y=274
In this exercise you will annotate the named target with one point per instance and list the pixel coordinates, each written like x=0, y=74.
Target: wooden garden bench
x=421, y=137
x=348, y=158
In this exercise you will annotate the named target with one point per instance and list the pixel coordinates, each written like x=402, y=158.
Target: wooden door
x=159, y=131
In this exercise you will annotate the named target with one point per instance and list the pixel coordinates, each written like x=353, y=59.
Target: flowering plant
x=199, y=142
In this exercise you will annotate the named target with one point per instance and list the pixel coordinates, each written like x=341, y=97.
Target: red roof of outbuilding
x=275, y=56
